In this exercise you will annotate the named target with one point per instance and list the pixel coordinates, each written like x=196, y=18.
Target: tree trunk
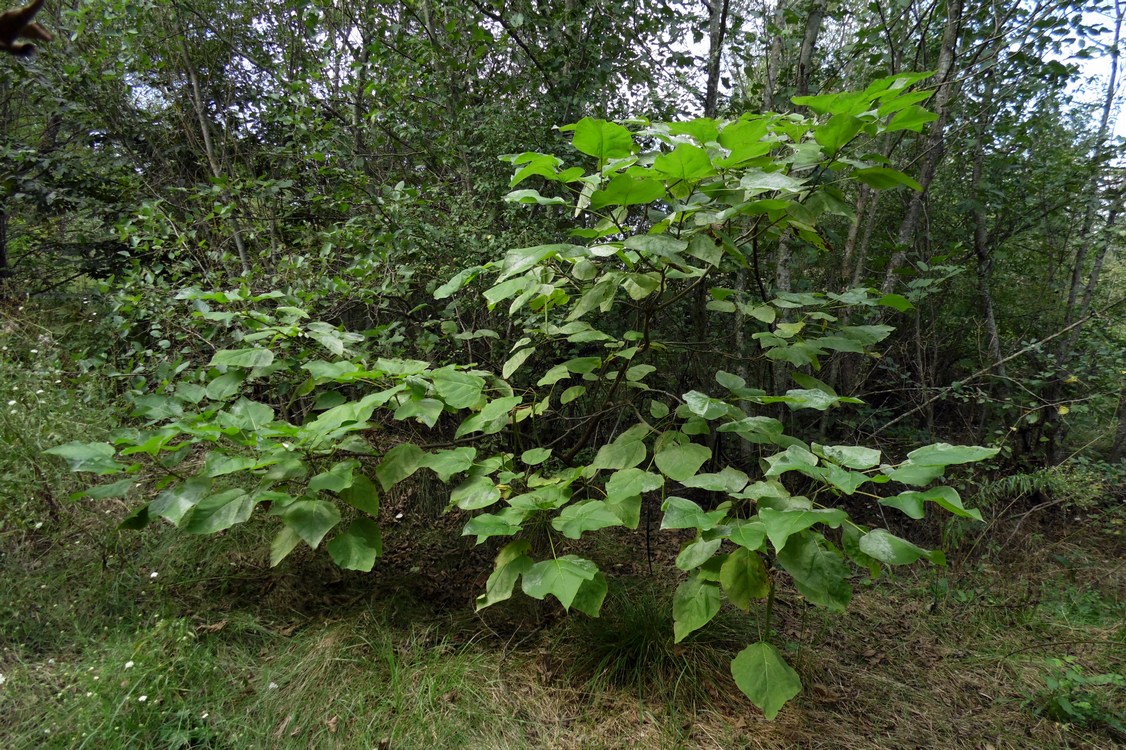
x=933, y=149
x=774, y=56
x=982, y=249
x=213, y=161
x=717, y=30
x=808, y=44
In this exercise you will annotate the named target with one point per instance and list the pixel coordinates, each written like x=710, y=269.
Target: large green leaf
x=729, y=480
x=449, y=462
x=218, y=512
x=175, y=502
x=834, y=134
x=850, y=456
x=626, y=190
x=362, y=495
x=225, y=386
x=744, y=578
x=358, y=546
x=253, y=357
x=311, y=519
x=591, y=595
x=284, y=542
x=694, y=604
x=944, y=454
x=629, y=482
x=685, y=162
x=685, y=514
x=765, y=677
x=782, y=524
x=601, y=139
x=92, y=457
x=883, y=178
x=561, y=577
x=914, y=474
x=626, y=452
x=459, y=390
x=697, y=553
x=399, y=463
x=511, y=563
x=681, y=462
x=820, y=574
x=475, y=493
x=505, y=523
x=886, y=547
x=589, y=515
x=749, y=534
x=336, y=479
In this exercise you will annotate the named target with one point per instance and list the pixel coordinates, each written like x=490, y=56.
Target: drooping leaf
x=92, y=457
x=886, y=547
x=218, y=512
x=629, y=482
x=336, y=479
x=850, y=456
x=685, y=514
x=399, y=463
x=446, y=463
x=820, y=574
x=311, y=519
x=591, y=595
x=697, y=553
x=685, y=162
x=744, y=578
x=782, y=524
x=512, y=562
x=694, y=604
x=765, y=678
x=460, y=390
x=358, y=547
x=729, y=480
x=248, y=358
x=589, y=515
x=601, y=139
x=626, y=190
x=681, y=462
x=174, y=502
x=475, y=493
x=749, y=534
x=362, y=495
x=561, y=577
x=944, y=454
x=284, y=542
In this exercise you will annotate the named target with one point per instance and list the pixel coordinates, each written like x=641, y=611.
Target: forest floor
x=155, y=639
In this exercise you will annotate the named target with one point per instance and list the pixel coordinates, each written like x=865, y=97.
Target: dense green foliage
x=311, y=277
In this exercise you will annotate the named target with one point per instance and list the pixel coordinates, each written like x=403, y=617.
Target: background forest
x=681, y=315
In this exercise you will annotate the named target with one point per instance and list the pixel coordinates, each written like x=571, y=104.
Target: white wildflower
x=142, y=699
x=153, y=574
x=272, y=686
x=128, y=665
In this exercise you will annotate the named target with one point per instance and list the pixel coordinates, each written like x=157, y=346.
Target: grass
x=229, y=653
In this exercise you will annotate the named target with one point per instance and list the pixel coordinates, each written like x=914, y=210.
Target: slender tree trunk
x=808, y=44
x=1098, y=156
x=933, y=149
x=717, y=30
x=982, y=249
x=213, y=162
x=774, y=56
